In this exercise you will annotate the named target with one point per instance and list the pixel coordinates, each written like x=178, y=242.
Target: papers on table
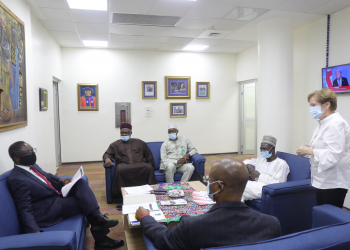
x=157, y=215
x=177, y=202
x=130, y=209
x=65, y=189
x=145, y=189
x=201, y=198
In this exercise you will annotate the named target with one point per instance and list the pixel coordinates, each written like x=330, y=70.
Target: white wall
x=211, y=124
x=247, y=64
x=43, y=62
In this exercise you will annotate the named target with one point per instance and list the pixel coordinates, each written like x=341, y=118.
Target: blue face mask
x=172, y=136
x=266, y=154
x=316, y=112
x=125, y=138
x=211, y=196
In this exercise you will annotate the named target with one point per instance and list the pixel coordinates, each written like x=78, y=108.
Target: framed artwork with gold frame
x=202, y=90
x=87, y=97
x=13, y=86
x=149, y=90
x=178, y=110
x=177, y=87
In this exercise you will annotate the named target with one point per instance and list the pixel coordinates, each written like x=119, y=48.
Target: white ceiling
x=70, y=26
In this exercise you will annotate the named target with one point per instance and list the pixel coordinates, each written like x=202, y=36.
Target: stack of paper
x=145, y=189
x=201, y=198
x=154, y=211
x=65, y=189
x=177, y=202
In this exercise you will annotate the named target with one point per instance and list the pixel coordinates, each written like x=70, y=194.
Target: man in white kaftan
x=174, y=156
x=265, y=170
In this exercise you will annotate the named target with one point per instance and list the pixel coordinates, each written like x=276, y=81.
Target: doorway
x=247, y=117
x=56, y=107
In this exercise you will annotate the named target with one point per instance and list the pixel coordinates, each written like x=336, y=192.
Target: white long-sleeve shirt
x=330, y=164
x=173, y=150
x=275, y=171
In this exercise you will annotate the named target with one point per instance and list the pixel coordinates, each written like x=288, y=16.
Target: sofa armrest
x=328, y=215
x=148, y=243
x=291, y=202
x=109, y=174
x=58, y=240
x=198, y=163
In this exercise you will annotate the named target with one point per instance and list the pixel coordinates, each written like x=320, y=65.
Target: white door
x=57, y=123
x=247, y=118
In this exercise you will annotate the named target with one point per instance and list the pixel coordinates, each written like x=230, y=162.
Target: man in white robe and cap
x=264, y=170
x=174, y=156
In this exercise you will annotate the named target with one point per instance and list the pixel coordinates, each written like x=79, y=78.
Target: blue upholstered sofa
x=69, y=234
x=197, y=159
x=291, y=202
x=330, y=230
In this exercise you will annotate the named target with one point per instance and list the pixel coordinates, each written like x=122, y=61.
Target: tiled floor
x=95, y=173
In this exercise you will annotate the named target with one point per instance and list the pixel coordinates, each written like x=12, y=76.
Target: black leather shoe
x=108, y=243
x=102, y=221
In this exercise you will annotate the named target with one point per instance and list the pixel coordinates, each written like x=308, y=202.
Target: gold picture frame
x=87, y=101
x=177, y=87
x=152, y=85
x=178, y=110
x=202, y=90
x=13, y=104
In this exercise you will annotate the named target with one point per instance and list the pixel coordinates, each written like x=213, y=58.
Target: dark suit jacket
x=38, y=205
x=344, y=82
x=226, y=223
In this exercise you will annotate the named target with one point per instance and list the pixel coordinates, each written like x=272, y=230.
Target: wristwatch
x=256, y=179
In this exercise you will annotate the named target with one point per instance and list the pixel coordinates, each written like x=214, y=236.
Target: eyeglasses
x=30, y=152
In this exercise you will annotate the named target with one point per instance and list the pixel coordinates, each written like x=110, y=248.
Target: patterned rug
x=96, y=174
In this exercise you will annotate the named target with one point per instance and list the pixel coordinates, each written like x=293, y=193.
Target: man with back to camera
x=228, y=222
x=174, y=156
x=264, y=170
x=340, y=81
x=40, y=204
x=133, y=159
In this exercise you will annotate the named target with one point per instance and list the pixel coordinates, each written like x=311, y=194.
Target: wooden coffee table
x=134, y=237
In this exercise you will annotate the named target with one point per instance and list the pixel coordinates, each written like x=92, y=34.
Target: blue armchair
x=291, y=202
x=330, y=230
x=67, y=235
x=197, y=159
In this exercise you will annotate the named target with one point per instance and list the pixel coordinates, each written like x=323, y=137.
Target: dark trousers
x=334, y=196
x=81, y=200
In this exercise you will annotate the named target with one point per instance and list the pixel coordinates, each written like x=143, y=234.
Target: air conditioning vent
x=169, y=21
x=214, y=34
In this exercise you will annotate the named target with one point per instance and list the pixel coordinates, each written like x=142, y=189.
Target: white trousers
x=172, y=168
x=252, y=191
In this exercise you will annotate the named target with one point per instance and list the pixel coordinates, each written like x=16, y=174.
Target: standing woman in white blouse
x=330, y=150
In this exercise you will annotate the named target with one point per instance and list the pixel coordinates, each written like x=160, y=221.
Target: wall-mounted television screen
x=336, y=78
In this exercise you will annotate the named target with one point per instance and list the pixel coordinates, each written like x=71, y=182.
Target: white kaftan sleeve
x=279, y=176
x=192, y=150
x=334, y=140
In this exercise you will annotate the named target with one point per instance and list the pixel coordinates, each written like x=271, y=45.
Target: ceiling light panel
x=245, y=14
x=88, y=4
x=91, y=43
x=136, y=19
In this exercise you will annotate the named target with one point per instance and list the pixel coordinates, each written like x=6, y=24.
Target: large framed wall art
x=13, y=84
x=87, y=97
x=178, y=87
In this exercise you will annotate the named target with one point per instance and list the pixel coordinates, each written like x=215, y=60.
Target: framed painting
x=13, y=84
x=149, y=90
x=178, y=110
x=177, y=87
x=43, y=99
x=88, y=97
x=202, y=90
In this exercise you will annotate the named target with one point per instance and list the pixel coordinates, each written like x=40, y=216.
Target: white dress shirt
x=330, y=164
x=275, y=171
x=27, y=168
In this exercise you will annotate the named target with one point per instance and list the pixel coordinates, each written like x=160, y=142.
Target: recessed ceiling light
x=90, y=43
x=195, y=47
x=88, y=4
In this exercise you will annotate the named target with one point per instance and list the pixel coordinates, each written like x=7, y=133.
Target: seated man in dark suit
x=40, y=204
x=228, y=222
